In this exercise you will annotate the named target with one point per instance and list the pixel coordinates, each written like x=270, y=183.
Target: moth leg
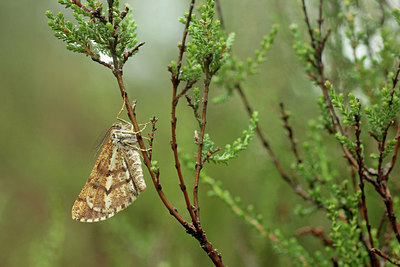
x=139, y=149
x=122, y=109
x=140, y=125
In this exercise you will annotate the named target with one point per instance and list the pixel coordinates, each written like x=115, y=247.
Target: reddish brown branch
x=174, y=145
x=93, y=13
x=289, y=179
x=382, y=148
x=362, y=203
x=151, y=136
x=390, y=165
x=199, y=161
x=146, y=158
x=190, y=104
x=318, y=232
x=199, y=234
x=193, y=229
x=378, y=252
x=286, y=125
x=131, y=52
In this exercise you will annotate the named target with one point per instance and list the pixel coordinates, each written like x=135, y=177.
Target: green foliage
x=231, y=151
x=349, y=113
x=234, y=72
x=94, y=34
x=209, y=47
x=346, y=235
x=302, y=49
x=381, y=115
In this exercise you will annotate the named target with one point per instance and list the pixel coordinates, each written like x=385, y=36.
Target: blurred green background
x=55, y=105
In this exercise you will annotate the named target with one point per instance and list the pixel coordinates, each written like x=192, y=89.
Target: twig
x=390, y=165
x=363, y=204
x=151, y=135
x=287, y=126
x=130, y=53
x=378, y=252
x=318, y=232
x=199, y=234
x=209, y=154
x=199, y=163
x=289, y=179
x=174, y=145
x=195, y=228
x=190, y=104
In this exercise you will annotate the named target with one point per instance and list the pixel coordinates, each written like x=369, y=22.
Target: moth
x=116, y=179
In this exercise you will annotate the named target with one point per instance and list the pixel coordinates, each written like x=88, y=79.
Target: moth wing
x=110, y=187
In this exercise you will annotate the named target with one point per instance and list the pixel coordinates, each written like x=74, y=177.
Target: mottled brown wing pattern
x=115, y=181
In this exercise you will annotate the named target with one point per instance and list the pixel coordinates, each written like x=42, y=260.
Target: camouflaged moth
x=116, y=179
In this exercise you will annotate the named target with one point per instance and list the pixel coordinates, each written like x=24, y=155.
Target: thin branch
x=199, y=162
x=378, y=252
x=307, y=20
x=320, y=17
x=390, y=165
x=151, y=135
x=189, y=86
x=193, y=211
x=363, y=204
x=195, y=228
x=287, y=126
x=190, y=104
x=381, y=148
x=289, y=179
x=189, y=228
x=318, y=232
x=131, y=52
x=209, y=154
x=174, y=145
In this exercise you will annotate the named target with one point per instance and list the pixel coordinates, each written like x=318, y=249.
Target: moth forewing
x=115, y=181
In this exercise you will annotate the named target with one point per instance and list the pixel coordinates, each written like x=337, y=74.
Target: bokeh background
x=55, y=105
